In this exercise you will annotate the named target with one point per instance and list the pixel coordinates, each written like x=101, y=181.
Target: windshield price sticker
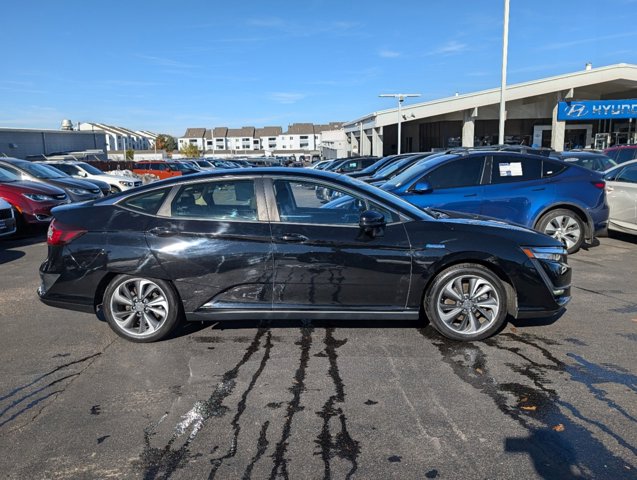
x=513, y=169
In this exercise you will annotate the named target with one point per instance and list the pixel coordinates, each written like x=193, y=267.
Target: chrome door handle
x=293, y=238
x=162, y=231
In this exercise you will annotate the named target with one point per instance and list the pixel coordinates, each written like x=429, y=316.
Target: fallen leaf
x=513, y=329
x=479, y=370
x=559, y=427
x=531, y=408
x=524, y=399
x=634, y=319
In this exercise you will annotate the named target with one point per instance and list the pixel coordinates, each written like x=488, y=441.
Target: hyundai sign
x=596, y=109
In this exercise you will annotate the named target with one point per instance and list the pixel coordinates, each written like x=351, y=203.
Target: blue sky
x=164, y=66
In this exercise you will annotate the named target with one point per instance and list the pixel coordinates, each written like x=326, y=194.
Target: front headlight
x=78, y=191
x=545, y=253
x=38, y=197
x=126, y=184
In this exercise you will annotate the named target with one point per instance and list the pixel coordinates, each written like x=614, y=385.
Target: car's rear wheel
x=565, y=226
x=466, y=302
x=141, y=309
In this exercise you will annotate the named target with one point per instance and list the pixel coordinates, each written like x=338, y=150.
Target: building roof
x=328, y=126
x=300, y=129
x=268, y=132
x=194, y=133
x=219, y=132
x=623, y=74
x=241, y=132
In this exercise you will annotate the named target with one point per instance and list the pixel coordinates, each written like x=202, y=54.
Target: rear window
x=550, y=168
x=625, y=154
x=147, y=202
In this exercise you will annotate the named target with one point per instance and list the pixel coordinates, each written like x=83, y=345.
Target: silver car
x=7, y=219
x=621, y=193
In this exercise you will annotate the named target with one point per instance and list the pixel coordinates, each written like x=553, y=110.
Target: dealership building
x=594, y=107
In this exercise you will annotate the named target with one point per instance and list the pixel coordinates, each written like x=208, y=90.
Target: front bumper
x=547, y=289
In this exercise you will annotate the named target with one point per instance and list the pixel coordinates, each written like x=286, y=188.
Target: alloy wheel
x=565, y=229
x=139, y=307
x=468, y=304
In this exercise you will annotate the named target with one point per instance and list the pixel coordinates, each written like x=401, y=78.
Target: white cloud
x=387, y=53
x=286, y=97
x=449, y=48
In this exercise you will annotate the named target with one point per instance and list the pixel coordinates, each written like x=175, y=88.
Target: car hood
x=71, y=183
x=31, y=187
x=520, y=234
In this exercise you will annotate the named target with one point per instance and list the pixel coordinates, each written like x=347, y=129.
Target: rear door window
x=628, y=175
x=510, y=169
x=464, y=172
x=218, y=200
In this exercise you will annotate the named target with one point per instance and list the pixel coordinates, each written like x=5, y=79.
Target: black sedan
x=256, y=244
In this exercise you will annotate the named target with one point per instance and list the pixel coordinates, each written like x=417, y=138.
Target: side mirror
x=372, y=223
x=422, y=186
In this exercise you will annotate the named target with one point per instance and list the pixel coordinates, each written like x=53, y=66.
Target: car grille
x=5, y=213
x=137, y=184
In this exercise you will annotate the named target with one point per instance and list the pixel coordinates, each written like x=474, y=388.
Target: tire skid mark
x=573, y=453
x=163, y=462
x=341, y=444
x=236, y=425
x=294, y=405
x=262, y=446
x=15, y=401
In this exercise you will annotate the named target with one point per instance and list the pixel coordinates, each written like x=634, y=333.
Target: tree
x=191, y=150
x=166, y=142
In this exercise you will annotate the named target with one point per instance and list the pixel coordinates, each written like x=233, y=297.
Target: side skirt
x=301, y=315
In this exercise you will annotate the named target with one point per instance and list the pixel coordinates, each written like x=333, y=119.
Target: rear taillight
x=599, y=184
x=61, y=234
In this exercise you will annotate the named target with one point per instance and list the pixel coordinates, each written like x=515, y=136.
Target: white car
x=7, y=218
x=87, y=171
x=621, y=194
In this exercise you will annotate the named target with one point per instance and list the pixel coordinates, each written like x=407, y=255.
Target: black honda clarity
x=257, y=244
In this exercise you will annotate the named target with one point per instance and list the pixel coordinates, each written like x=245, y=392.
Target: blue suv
x=564, y=201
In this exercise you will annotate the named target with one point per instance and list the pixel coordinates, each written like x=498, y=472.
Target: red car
x=622, y=153
x=31, y=201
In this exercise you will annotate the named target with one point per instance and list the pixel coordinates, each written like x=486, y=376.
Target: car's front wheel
x=141, y=309
x=115, y=189
x=466, y=302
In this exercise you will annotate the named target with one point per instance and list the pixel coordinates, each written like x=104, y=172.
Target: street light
x=401, y=98
x=503, y=84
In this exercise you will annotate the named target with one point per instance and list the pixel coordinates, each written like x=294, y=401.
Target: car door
x=322, y=260
x=516, y=191
x=622, y=197
x=213, y=240
x=455, y=185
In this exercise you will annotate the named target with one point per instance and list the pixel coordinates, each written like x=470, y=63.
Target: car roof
x=582, y=154
x=620, y=147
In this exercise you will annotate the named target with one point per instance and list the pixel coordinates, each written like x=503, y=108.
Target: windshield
x=182, y=167
x=408, y=173
x=592, y=162
x=39, y=170
x=373, y=167
x=392, y=167
x=6, y=176
x=90, y=169
x=203, y=163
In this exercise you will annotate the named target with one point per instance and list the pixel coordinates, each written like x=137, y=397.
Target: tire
x=454, y=313
x=563, y=225
x=134, y=320
x=115, y=190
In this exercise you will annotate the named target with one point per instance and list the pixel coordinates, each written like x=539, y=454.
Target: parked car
x=593, y=161
x=7, y=218
x=77, y=190
x=564, y=201
x=395, y=168
x=254, y=244
x=31, y=201
x=376, y=166
x=621, y=188
x=622, y=153
x=322, y=165
x=86, y=171
x=161, y=169
x=353, y=164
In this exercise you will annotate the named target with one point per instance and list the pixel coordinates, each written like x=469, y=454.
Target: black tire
x=563, y=225
x=141, y=316
x=115, y=190
x=469, y=319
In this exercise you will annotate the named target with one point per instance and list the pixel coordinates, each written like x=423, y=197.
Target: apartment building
x=241, y=139
x=268, y=138
x=193, y=136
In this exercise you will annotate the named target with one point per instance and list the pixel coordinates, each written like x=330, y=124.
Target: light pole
x=401, y=98
x=503, y=84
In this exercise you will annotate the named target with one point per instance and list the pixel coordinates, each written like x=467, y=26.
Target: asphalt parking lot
x=322, y=400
